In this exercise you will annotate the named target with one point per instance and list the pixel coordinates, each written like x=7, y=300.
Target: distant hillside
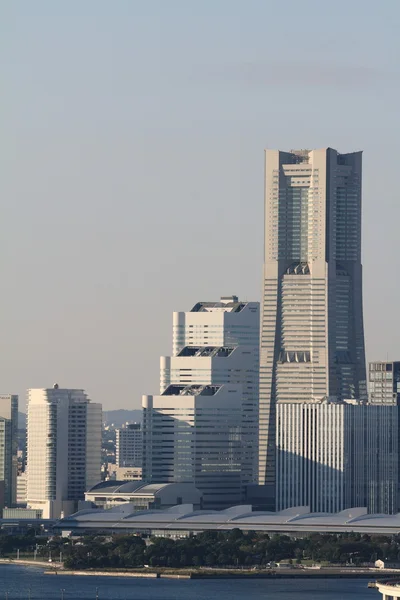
x=119, y=417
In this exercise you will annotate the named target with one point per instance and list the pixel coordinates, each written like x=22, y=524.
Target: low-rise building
x=129, y=445
x=142, y=496
x=22, y=513
x=127, y=473
x=184, y=520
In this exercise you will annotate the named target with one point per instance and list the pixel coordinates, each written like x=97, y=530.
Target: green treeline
x=209, y=548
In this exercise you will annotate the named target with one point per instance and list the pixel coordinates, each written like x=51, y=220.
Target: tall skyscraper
x=215, y=348
x=312, y=339
x=63, y=447
x=8, y=449
x=129, y=445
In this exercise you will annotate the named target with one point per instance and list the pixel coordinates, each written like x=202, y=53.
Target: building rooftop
x=183, y=517
x=138, y=488
x=206, y=351
x=226, y=304
x=191, y=390
x=128, y=487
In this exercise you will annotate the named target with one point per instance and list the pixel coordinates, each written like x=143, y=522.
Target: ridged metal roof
x=184, y=518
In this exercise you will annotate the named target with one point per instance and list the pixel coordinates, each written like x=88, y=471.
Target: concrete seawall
x=35, y=563
x=105, y=574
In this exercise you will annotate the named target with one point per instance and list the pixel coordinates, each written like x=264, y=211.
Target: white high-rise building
x=193, y=434
x=215, y=346
x=217, y=343
x=336, y=455
x=8, y=449
x=228, y=322
x=312, y=339
x=63, y=448
x=219, y=365
x=129, y=445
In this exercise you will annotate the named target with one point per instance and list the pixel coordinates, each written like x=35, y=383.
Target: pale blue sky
x=132, y=168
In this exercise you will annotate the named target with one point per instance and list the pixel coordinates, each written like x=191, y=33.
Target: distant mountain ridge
x=117, y=417
x=121, y=416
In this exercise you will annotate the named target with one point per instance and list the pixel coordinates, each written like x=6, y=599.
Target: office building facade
x=336, y=455
x=129, y=445
x=220, y=365
x=312, y=339
x=228, y=322
x=381, y=448
x=384, y=390
x=8, y=449
x=193, y=434
x=217, y=343
x=63, y=448
x=384, y=382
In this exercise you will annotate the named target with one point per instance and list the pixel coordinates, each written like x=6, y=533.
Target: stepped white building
x=215, y=348
x=193, y=434
x=228, y=322
x=63, y=449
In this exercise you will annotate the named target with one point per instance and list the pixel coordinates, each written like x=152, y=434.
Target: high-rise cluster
x=321, y=441
x=272, y=411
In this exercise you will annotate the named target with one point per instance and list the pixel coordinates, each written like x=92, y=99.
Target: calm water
x=15, y=582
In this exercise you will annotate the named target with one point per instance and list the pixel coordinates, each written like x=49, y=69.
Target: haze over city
x=132, y=169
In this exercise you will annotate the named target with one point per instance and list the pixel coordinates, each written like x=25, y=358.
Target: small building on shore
x=386, y=564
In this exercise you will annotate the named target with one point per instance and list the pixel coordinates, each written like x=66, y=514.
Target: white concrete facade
x=193, y=434
x=228, y=322
x=217, y=343
x=63, y=448
x=22, y=487
x=129, y=445
x=127, y=473
x=209, y=365
x=332, y=456
x=315, y=462
x=312, y=339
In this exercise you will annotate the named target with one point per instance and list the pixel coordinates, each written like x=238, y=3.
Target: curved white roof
x=122, y=488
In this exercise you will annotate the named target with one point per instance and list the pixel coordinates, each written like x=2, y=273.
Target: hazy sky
x=132, y=168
